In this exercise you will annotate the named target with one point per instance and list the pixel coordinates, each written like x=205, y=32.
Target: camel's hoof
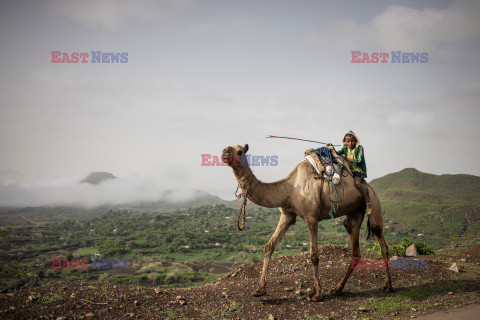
x=388, y=288
x=336, y=291
x=259, y=293
x=315, y=297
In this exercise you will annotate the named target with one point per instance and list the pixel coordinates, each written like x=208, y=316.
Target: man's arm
x=339, y=152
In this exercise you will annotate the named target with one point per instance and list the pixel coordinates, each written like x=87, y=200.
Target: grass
x=52, y=298
x=87, y=253
x=281, y=310
x=424, y=292
x=408, y=299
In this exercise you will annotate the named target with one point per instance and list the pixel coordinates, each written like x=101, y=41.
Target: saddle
x=325, y=163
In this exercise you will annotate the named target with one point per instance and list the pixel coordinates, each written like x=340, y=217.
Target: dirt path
x=468, y=312
x=75, y=252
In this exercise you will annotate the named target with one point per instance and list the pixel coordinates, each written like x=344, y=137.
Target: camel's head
x=234, y=155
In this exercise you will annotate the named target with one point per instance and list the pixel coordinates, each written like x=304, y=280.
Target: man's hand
x=329, y=146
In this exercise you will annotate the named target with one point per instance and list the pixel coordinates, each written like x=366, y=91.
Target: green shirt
x=358, y=160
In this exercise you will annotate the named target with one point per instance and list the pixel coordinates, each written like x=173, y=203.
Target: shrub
x=399, y=249
x=422, y=248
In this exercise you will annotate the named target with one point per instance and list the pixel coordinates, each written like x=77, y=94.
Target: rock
x=224, y=294
x=411, y=251
x=309, y=289
x=182, y=302
x=271, y=317
x=158, y=291
x=450, y=293
x=62, y=318
x=136, y=302
x=131, y=315
x=89, y=315
x=362, y=309
x=298, y=292
x=453, y=267
x=288, y=289
x=31, y=298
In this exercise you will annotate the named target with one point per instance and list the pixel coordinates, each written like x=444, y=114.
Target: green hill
x=96, y=178
x=444, y=208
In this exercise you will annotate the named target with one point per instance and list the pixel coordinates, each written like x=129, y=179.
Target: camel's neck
x=270, y=195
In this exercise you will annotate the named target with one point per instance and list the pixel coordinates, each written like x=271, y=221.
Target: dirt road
x=468, y=312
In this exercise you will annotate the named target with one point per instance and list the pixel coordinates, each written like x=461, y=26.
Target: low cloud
x=78, y=194
x=111, y=192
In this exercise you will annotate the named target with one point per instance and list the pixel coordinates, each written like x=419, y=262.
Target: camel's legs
x=361, y=186
x=378, y=232
x=352, y=224
x=313, y=232
x=376, y=223
x=286, y=220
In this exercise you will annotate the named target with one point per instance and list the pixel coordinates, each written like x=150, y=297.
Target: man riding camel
x=353, y=153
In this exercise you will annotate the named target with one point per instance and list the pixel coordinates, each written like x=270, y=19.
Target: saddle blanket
x=331, y=172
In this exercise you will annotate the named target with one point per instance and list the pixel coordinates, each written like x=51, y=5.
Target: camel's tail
x=368, y=232
x=375, y=218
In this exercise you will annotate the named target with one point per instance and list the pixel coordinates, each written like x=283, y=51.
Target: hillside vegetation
x=444, y=208
x=184, y=243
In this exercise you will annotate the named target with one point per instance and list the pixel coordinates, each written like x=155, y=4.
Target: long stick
x=269, y=136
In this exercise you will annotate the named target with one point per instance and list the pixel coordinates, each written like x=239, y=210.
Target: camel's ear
x=245, y=148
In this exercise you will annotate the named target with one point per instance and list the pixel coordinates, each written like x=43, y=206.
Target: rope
x=326, y=158
x=243, y=208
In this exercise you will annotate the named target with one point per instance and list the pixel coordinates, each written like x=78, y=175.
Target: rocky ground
x=417, y=291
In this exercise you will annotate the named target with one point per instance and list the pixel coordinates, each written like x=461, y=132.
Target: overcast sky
x=202, y=75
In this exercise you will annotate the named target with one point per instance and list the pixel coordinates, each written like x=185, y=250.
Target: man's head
x=350, y=141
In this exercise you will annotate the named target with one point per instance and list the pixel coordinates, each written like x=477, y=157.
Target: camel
x=300, y=194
